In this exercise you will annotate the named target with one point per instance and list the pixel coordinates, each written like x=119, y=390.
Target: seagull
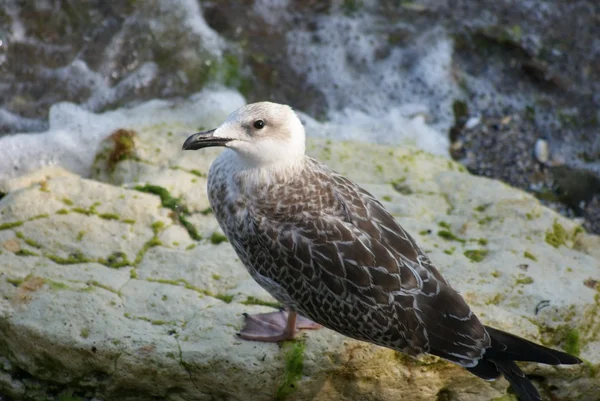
x=333, y=256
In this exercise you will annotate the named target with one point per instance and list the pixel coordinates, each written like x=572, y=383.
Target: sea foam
x=75, y=133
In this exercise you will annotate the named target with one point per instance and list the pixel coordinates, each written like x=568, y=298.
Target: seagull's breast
x=235, y=197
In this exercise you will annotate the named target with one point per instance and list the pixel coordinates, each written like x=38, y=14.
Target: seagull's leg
x=274, y=326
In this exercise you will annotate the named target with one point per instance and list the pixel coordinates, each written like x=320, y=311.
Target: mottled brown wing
x=349, y=265
x=453, y=331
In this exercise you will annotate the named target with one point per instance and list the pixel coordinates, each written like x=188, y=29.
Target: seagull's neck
x=253, y=174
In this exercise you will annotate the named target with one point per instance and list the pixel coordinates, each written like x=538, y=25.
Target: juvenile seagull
x=328, y=250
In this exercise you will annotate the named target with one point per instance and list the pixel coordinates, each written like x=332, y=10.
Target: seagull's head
x=261, y=133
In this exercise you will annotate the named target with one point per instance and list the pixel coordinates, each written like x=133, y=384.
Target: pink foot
x=274, y=326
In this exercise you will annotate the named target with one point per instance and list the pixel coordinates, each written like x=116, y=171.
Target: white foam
x=75, y=133
x=345, y=57
x=391, y=129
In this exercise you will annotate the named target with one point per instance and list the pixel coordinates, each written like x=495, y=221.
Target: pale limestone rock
x=107, y=292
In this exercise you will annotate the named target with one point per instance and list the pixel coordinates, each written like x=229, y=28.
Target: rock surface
x=122, y=287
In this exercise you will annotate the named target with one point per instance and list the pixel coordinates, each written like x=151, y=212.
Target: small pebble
x=472, y=122
x=541, y=151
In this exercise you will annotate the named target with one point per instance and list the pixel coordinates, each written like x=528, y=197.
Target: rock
x=118, y=288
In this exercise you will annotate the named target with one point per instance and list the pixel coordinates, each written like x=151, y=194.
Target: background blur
x=509, y=88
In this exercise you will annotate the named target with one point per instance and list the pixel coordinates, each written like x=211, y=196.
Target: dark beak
x=203, y=140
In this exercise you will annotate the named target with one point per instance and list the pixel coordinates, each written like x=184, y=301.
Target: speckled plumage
x=328, y=249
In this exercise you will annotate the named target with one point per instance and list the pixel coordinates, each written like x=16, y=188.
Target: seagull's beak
x=204, y=140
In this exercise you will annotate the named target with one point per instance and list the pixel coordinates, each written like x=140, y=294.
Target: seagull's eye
x=259, y=124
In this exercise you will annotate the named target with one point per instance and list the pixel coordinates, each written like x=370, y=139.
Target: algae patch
x=72, y=259
x=294, y=365
x=6, y=226
x=571, y=342
x=449, y=235
x=557, y=236
x=216, y=238
x=225, y=298
x=525, y=280
x=180, y=210
x=255, y=301
x=476, y=255
x=123, y=147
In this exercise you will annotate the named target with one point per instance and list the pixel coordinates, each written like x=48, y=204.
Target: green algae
x=14, y=281
x=168, y=201
x=117, y=260
x=133, y=274
x=495, y=300
x=198, y=173
x=80, y=235
x=576, y=231
x=85, y=332
x=25, y=252
x=482, y=208
x=67, y=201
x=529, y=255
x=157, y=322
x=448, y=235
x=387, y=198
x=83, y=211
x=255, y=301
x=6, y=226
x=571, y=343
x=180, y=282
x=485, y=220
x=450, y=251
x=557, y=236
x=109, y=216
x=27, y=240
x=72, y=259
x=62, y=211
x=157, y=227
x=216, y=277
x=476, y=255
x=207, y=211
x=129, y=221
x=190, y=247
x=217, y=238
x=154, y=241
x=100, y=285
x=294, y=366
x=524, y=280
x=507, y=397
x=225, y=298
x=400, y=186
x=39, y=216
x=192, y=231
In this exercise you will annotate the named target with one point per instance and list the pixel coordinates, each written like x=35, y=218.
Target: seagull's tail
x=505, y=350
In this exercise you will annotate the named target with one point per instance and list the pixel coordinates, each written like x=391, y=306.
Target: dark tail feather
x=507, y=348
x=522, y=386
